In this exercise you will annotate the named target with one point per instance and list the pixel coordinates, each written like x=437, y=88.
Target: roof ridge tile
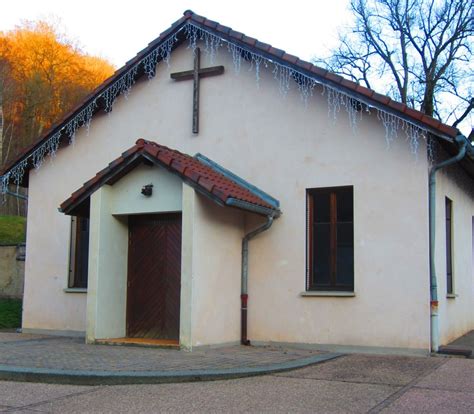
x=290, y=58
x=197, y=18
x=210, y=23
x=223, y=29
x=237, y=35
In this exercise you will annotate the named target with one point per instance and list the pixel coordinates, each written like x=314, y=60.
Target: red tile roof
x=199, y=175
x=367, y=95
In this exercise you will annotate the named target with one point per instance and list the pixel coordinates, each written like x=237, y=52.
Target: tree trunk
x=1, y=133
x=428, y=101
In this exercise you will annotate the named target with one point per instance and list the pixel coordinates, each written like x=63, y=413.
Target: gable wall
x=278, y=144
x=166, y=192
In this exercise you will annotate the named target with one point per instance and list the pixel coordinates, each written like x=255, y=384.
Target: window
x=79, y=253
x=449, y=245
x=330, y=231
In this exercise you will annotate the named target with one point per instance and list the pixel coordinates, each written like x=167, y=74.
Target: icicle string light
x=84, y=117
x=236, y=53
x=50, y=147
x=282, y=74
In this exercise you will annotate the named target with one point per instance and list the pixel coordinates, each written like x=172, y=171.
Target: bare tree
x=6, y=90
x=419, y=51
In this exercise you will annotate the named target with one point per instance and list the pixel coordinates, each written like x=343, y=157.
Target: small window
x=79, y=253
x=449, y=245
x=330, y=232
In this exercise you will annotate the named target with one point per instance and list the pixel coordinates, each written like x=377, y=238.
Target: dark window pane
x=345, y=205
x=331, y=263
x=321, y=254
x=82, y=253
x=321, y=212
x=345, y=254
x=449, y=245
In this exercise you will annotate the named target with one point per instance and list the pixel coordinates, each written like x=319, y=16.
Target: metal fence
x=14, y=206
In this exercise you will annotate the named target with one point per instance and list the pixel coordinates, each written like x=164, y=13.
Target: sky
x=117, y=30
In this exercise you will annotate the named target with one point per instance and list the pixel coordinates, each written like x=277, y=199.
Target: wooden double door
x=154, y=276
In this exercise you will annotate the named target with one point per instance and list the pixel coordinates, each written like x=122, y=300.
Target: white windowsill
x=451, y=296
x=327, y=293
x=75, y=290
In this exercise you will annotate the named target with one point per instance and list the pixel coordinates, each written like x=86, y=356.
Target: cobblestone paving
x=20, y=350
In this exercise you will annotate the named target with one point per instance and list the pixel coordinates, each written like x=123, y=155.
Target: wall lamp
x=147, y=190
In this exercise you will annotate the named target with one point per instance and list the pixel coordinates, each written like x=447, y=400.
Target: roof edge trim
x=229, y=174
x=244, y=205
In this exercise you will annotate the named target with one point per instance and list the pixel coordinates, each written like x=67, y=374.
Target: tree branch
x=464, y=114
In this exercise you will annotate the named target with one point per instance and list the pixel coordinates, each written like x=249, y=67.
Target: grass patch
x=12, y=229
x=10, y=313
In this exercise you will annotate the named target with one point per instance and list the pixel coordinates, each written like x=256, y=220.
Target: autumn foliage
x=42, y=76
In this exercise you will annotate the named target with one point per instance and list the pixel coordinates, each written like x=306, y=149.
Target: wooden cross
x=196, y=74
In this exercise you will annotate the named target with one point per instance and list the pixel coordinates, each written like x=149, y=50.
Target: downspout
x=244, y=279
x=462, y=142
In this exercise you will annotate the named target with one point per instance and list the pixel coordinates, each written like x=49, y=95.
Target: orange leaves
x=42, y=76
x=36, y=48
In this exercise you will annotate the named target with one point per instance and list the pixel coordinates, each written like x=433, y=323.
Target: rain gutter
x=244, y=277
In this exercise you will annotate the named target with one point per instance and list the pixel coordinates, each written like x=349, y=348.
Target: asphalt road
x=350, y=384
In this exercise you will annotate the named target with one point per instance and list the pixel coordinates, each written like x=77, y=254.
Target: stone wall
x=12, y=271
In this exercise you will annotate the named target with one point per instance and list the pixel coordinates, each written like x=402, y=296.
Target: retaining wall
x=12, y=271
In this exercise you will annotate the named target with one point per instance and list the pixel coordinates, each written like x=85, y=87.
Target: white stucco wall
x=456, y=313
x=128, y=199
x=280, y=145
x=217, y=241
x=210, y=272
x=45, y=305
x=107, y=278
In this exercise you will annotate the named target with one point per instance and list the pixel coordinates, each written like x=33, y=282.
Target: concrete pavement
x=349, y=384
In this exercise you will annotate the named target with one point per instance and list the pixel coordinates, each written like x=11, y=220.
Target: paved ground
x=23, y=350
x=349, y=384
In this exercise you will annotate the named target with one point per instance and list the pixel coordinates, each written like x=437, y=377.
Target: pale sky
x=118, y=29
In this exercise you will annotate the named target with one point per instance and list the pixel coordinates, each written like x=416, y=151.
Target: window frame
x=76, y=280
x=334, y=286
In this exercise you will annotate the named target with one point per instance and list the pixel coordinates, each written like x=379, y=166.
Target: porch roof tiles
x=204, y=175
